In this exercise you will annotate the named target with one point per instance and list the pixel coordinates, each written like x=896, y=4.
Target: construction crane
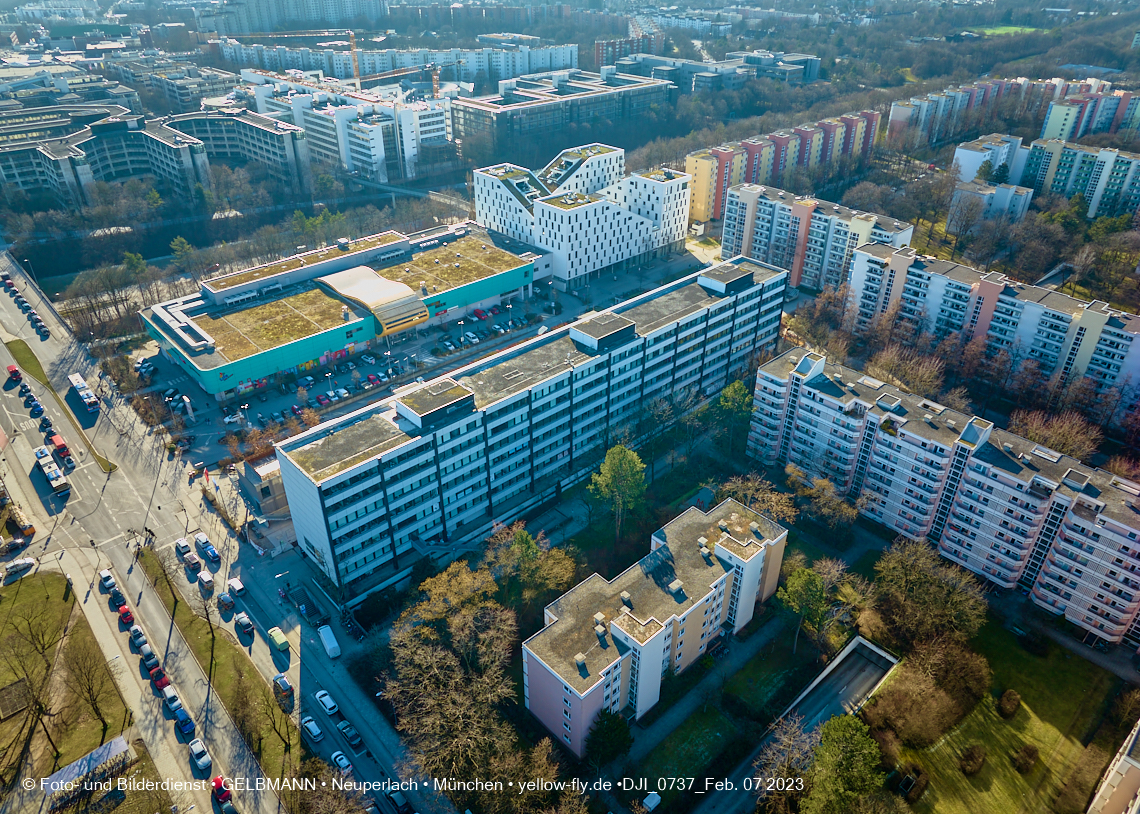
x=433, y=67
x=333, y=32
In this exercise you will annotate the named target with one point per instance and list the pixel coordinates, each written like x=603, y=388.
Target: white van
x=328, y=639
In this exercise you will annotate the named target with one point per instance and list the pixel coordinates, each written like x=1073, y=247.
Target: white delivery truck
x=329, y=641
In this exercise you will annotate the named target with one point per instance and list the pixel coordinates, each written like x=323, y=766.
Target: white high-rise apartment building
x=1008, y=509
x=253, y=16
x=812, y=239
x=1064, y=335
x=369, y=132
x=467, y=63
x=439, y=462
x=998, y=149
x=585, y=211
x=607, y=644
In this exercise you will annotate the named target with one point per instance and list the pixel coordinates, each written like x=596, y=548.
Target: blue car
x=184, y=722
x=211, y=553
x=37, y=409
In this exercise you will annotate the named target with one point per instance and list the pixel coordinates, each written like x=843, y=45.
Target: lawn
x=196, y=631
x=1063, y=697
x=763, y=677
x=46, y=598
x=1007, y=29
x=30, y=364
x=688, y=750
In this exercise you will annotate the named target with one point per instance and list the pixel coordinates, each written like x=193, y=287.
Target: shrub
x=889, y=747
x=1009, y=703
x=973, y=759
x=919, y=787
x=1024, y=758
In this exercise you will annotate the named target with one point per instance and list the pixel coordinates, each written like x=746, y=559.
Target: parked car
x=310, y=728
x=192, y=561
x=199, y=755
x=326, y=702
x=181, y=547
x=243, y=623
x=125, y=615
x=170, y=395
x=471, y=337
x=350, y=734
x=138, y=637
x=225, y=601
x=498, y=329
x=296, y=409
x=222, y=790
x=479, y=313
x=107, y=579
x=381, y=376
x=340, y=760
x=281, y=686
x=160, y=678
x=278, y=637
x=233, y=419
x=323, y=400
x=278, y=417
x=342, y=393
x=117, y=598
x=447, y=344
x=333, y=396
x=205, y=581
x=149, y=659
x=368, y=359
x=183, y=721
x=373, y=378
x=37, y=409
x=350, y=366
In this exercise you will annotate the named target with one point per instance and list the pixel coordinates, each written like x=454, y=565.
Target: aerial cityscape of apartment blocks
x=765, y=159
x=439, y=462
x=585, y=211
x=1008, y=509
x=1087, y=113
x=1065, y=335
x=812, y=239
x=934, y=114
x=607, y=644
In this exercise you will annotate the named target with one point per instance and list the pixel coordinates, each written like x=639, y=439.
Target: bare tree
x=89, y=679
x=787, y=755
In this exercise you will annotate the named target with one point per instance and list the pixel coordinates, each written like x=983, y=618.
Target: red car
x=372, y=377
x=495, y=310
x=221, y=790
x=296, y=408
x=479, y=313
x=11, y=286
x=159, y=678
x=125, y=615
x=323, y=400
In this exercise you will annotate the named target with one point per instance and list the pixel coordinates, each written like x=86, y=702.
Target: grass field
x=689, y=748
x=196, y=631
x=766, y=673
x=1007, y=29
x=44, y=602
x=29, y=363
x=1063, y=698
x=865, y=565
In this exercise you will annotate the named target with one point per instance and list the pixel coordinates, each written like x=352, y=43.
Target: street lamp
x=28, y=263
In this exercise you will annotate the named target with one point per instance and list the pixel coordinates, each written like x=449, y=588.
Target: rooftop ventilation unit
x=580, y=660
x=599, y=617
x=626, y=599
x=676, y=587
x=1008, y=448
x=723, y=525
x=601, y=631
x=702, y=542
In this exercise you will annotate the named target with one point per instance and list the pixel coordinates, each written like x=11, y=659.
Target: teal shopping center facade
x=242, y=332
